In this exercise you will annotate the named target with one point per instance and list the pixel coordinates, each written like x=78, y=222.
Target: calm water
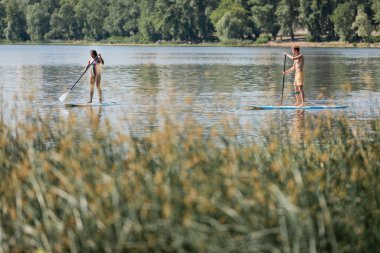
x=207, y=83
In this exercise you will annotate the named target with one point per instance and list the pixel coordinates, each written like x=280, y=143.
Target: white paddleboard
x=81, y=104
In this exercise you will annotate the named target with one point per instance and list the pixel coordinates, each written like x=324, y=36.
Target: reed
x=75, y=186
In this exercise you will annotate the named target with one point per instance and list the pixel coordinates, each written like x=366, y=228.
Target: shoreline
x=287, y=43
x=331, y=44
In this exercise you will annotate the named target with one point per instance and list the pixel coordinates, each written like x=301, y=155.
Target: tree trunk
x=292, y=35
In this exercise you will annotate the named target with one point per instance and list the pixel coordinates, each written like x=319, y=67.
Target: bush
x=374, y=39
x=136, y=39
x=262, y=39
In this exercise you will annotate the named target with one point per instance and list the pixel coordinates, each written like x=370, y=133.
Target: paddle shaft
x=88, y=66
x=283, y=79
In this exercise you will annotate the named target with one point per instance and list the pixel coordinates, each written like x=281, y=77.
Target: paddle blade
x=64, y=96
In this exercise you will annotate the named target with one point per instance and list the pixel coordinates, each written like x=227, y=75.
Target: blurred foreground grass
x=181, y=190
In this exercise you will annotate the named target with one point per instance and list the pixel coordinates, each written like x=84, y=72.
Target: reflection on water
x=298, y=126
x=207, y=83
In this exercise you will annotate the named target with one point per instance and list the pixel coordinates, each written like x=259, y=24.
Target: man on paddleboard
x=94, y=63
x=298, y=60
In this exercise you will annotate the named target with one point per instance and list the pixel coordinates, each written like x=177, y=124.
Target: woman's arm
x=88, y=64
x=101, y=58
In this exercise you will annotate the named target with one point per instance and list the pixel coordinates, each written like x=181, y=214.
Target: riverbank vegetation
x=74, y=185
x=188, y=21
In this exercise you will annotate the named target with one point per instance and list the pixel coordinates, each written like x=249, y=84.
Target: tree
x=203, y=22
x=168, y=19
x=376, y=9
x=180, y=19
x=343, y=17
x=90, y=15
x=175, y=19
x=192, y=14
x=362, y=24
x=146, y=21
x=63, y=24
x=37, y=19
x=122, y=19
x=230, y=27
x=231, y=20
x=15, y=21
x=316, y=14
x=287, y=13
x=2, y=20
x=264, y=16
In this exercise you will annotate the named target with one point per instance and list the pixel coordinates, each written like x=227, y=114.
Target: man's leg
x=297, y=94
x=302, y=95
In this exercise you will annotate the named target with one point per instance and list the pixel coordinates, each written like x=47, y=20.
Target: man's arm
x=297, y=57
x=293, y=57
x=291, y=69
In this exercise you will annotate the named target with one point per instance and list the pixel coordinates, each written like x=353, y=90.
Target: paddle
x=283, y=80
x=64, y=96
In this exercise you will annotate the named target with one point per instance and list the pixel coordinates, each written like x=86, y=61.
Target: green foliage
x=135, y=39
x=264, y=16
x=287, y=13
x=376, y=9
x=229, y=27
x=63, y=24
x=146, y=21
x=374, y=39
x=15, y=21
x=181, y=20
x=2, y=20
x=37, y=20
x=169, y=22
x=122, y=19
x=263, y=39
x=219, y=12
x=316, y=14
x=230, y=20
x=363, y=25
x=343, y=18
x=90, y=16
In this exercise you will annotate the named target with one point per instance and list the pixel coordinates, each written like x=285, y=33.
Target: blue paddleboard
x=292, y=107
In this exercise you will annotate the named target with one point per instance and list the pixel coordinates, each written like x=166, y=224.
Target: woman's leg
x=98, y=80
x=92, y=84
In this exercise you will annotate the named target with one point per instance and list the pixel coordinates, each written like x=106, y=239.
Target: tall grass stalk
x=180, y=189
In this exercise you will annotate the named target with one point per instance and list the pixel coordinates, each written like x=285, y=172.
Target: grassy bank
x=232, y=43
x=179, y=189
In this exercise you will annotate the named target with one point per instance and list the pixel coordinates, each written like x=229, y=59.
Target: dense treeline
x=187, y=20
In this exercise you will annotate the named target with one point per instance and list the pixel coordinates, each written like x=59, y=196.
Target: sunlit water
x=207, y=83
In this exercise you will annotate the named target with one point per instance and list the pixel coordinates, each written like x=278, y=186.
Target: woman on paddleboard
x=298, y=60
x=94, y=63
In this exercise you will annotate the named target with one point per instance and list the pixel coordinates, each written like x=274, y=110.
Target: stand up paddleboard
x=293, y=107
x=81, y=104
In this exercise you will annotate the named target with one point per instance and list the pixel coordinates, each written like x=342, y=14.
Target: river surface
x=208, y=84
